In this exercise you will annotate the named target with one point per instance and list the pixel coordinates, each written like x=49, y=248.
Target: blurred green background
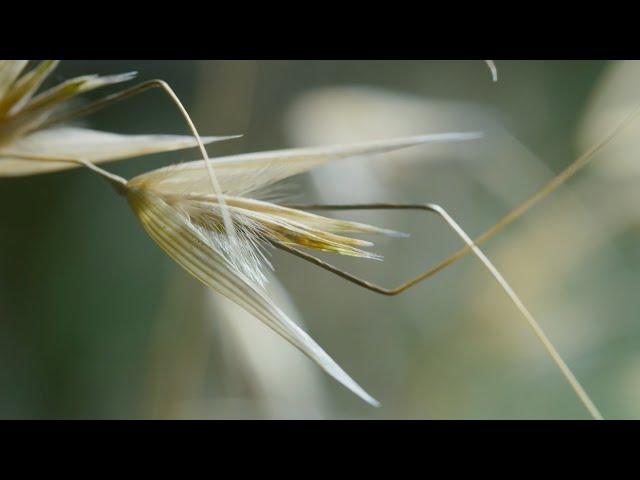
x=96, y=322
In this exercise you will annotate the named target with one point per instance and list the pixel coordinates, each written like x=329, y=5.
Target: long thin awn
x=442, y=213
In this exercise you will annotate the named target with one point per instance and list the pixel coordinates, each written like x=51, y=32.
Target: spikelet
x=186, y=223
x=23, y=132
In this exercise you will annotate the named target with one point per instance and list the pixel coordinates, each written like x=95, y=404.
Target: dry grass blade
x=245, y=173
x=91, y=145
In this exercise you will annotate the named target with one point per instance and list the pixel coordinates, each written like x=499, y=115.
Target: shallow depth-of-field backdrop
x=97, y=322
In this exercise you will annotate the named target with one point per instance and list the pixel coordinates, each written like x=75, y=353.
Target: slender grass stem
x=537, y=329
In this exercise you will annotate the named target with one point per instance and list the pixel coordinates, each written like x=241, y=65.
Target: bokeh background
x=96, y=322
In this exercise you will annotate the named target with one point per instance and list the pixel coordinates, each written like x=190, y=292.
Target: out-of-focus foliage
x=116, y=330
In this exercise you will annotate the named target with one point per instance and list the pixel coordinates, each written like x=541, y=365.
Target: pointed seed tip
x=222, y=138
x=396, y=234
x=123, y=77
x=373, y=402
x=447, y=136
x=362, y=394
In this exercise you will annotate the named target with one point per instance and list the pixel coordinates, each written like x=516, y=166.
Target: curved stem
x=117, y=181
x=442, y=213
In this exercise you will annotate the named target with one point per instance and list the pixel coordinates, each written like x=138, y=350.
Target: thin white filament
x=226, y=215
x=494, y=70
